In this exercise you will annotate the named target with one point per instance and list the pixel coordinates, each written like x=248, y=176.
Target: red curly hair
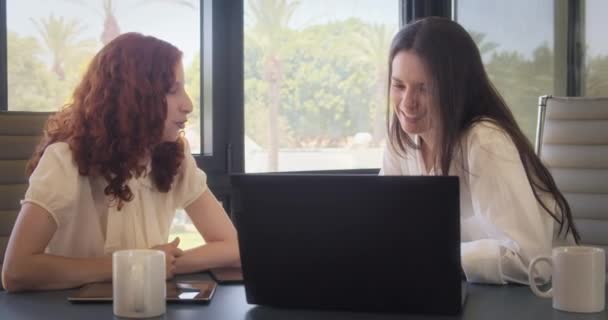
x=115, y=120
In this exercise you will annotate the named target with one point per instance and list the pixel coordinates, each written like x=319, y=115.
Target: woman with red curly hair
x=109, y=174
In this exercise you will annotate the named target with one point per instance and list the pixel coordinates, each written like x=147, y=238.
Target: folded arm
x=221, y=246
x=27, y=267
x=505, y=212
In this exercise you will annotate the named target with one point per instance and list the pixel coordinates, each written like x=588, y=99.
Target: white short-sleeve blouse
x=88, y=224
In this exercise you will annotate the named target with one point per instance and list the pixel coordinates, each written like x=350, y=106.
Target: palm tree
x=271, y=23
x=484, y=46
x=374, y=43
x=61, y=39
x=111, y=28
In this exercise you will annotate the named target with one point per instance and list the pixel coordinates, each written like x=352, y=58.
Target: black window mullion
x=575, y=52
x=403, y=12
x=416, y=9
x=236, y=95
x=3, y=58
x=228, y=92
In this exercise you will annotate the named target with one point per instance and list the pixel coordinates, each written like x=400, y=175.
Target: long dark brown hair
x=117, y=114
x=462, y=90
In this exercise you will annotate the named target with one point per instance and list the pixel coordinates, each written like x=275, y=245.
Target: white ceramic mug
x=578, y=278
x=138, y=283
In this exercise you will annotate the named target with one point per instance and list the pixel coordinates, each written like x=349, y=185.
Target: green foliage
x=333, y=82
x=61, y=39
x=521, y=81
x=597, y=76
x=331, y=78
x=31, y=85
x=327, y=89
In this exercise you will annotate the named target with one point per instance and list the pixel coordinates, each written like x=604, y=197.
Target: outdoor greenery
x=308, y=88
x=311, y=87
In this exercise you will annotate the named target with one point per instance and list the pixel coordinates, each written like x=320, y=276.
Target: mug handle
x=137, y=278
x=531, y=273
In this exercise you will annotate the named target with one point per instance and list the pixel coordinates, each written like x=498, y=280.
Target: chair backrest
x=20, y=132
x=572, y=141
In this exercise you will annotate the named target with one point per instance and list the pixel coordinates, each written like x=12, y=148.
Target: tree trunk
x=272, y=75
x=380, y=129
x=58, y=70
x=273, y=126
x=111, y=29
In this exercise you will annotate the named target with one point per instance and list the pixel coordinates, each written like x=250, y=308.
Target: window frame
x=218, y=83
x=222, y=85
x=3, y=58
x=227, y=90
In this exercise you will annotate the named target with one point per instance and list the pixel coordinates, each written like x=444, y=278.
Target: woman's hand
x=172, y=252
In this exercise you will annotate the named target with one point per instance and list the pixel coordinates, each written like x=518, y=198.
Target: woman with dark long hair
x=446, y=118
x=110, y=172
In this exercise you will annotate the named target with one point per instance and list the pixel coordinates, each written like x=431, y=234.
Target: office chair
x=572, y=141
x=20, y=132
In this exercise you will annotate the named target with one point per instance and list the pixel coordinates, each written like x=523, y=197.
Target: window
x=315, y=75
x=49, y=45
x=596, y=55
x=183, y=228
x=516, y=40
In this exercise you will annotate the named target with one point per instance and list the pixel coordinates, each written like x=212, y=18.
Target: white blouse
x=503, y=227
x=87, y=225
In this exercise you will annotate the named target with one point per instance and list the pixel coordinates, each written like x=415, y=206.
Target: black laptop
x=350, y=242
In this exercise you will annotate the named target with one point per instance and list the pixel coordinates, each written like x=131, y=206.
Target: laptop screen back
x=353, y=242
